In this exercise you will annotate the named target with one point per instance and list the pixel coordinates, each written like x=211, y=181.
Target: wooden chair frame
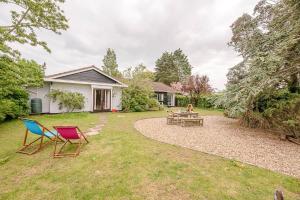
x=39, y=139
x=59, y=154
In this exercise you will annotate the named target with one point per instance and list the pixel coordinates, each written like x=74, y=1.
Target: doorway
x=102, y=100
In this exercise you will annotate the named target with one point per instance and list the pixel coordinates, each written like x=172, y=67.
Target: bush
x=182, y=101
x=203, y=101
x=68, y=100
x=15, y=77
x=136, y=98
x=279, y=110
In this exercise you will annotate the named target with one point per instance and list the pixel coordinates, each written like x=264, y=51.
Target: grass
x=120, y=163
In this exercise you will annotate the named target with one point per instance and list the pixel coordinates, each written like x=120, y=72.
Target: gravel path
x=224, y=137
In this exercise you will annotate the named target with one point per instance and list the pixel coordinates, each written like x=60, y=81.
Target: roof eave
x=83, y=82
x=55, y=76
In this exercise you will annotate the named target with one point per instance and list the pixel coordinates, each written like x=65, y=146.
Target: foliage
x=182, y=101
x=110, y=65
x=139, y=95
x=16, y=74
x=15, y=77
x=28, y=16
x=176, y=86
x=182, y=64
x=269, y=43
x=209, y=101
x=172, y=67
x=68, y=100
x=138, y=74
x=201, y=101
x=197, y=85
x=137, y=98
x=280, y=110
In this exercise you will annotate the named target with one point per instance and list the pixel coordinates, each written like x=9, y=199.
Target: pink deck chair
x=72, y=135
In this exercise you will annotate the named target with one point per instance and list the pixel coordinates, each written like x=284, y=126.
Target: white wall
x=117, y=98
x=41, y=93
x=85, y=90
x=173, y=100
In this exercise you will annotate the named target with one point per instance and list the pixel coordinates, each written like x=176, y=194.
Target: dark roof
x=161, y=87
x=69, y=71
x=85, y=74
x=90, y=75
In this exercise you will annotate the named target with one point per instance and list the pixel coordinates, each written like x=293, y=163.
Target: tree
x=139, y=96
x=197, y=85
x=27, y=17
x=165, y=70
x=15, y=77
x=110, y=65
x=269, y=43
x=181, y=62
x=16, y=74
x=172, y=67
x=139, y=73
x=177, y=86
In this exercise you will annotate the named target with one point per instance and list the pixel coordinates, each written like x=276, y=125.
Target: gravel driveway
x=224, y=137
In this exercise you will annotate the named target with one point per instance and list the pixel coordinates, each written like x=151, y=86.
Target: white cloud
x=140, y=31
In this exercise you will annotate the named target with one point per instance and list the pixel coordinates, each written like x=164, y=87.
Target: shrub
x=68, y=100
x=15, y=77
x=279, y=110
x=182, y=101
x=137, y=98
x=202, y=101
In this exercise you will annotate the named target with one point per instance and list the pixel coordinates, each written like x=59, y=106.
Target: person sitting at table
x=190, y=108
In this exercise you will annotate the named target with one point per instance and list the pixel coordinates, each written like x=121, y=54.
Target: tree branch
x=19, y=22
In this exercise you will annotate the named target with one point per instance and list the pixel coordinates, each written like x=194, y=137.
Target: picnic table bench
x=185, y=119
x=191, y=121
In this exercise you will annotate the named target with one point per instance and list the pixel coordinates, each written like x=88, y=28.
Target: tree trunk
x=294, y=84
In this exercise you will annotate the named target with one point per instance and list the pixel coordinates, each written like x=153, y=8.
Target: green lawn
x=120, y=163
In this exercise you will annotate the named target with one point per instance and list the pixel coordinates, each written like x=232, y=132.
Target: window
x=160, y=97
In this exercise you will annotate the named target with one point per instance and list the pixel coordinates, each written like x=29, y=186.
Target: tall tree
x=181, y=62
x=28, y=16
x=165, y=70
x=16, y=74
x=269, y=43
x=110, y=65
x=172, y=67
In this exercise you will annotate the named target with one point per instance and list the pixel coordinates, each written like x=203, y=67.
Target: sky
x=140, y=31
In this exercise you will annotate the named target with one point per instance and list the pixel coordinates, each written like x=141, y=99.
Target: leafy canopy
x=110, y=65
x=139, y=96
x=28, y=16
x=15, y=77
x=139, y=74
x=269, y=43
x=172, y=67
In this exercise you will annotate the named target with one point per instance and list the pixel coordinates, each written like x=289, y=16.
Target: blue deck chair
x=35, y=127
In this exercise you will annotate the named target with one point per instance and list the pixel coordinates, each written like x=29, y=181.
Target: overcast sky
x=140, y=31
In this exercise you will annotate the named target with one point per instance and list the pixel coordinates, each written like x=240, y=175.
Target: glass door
x=102, y=100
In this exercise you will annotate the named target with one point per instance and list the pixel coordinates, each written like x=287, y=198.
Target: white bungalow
x=101, y=92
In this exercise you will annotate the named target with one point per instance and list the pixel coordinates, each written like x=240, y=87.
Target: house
x=101, y=92
x=164, y=93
